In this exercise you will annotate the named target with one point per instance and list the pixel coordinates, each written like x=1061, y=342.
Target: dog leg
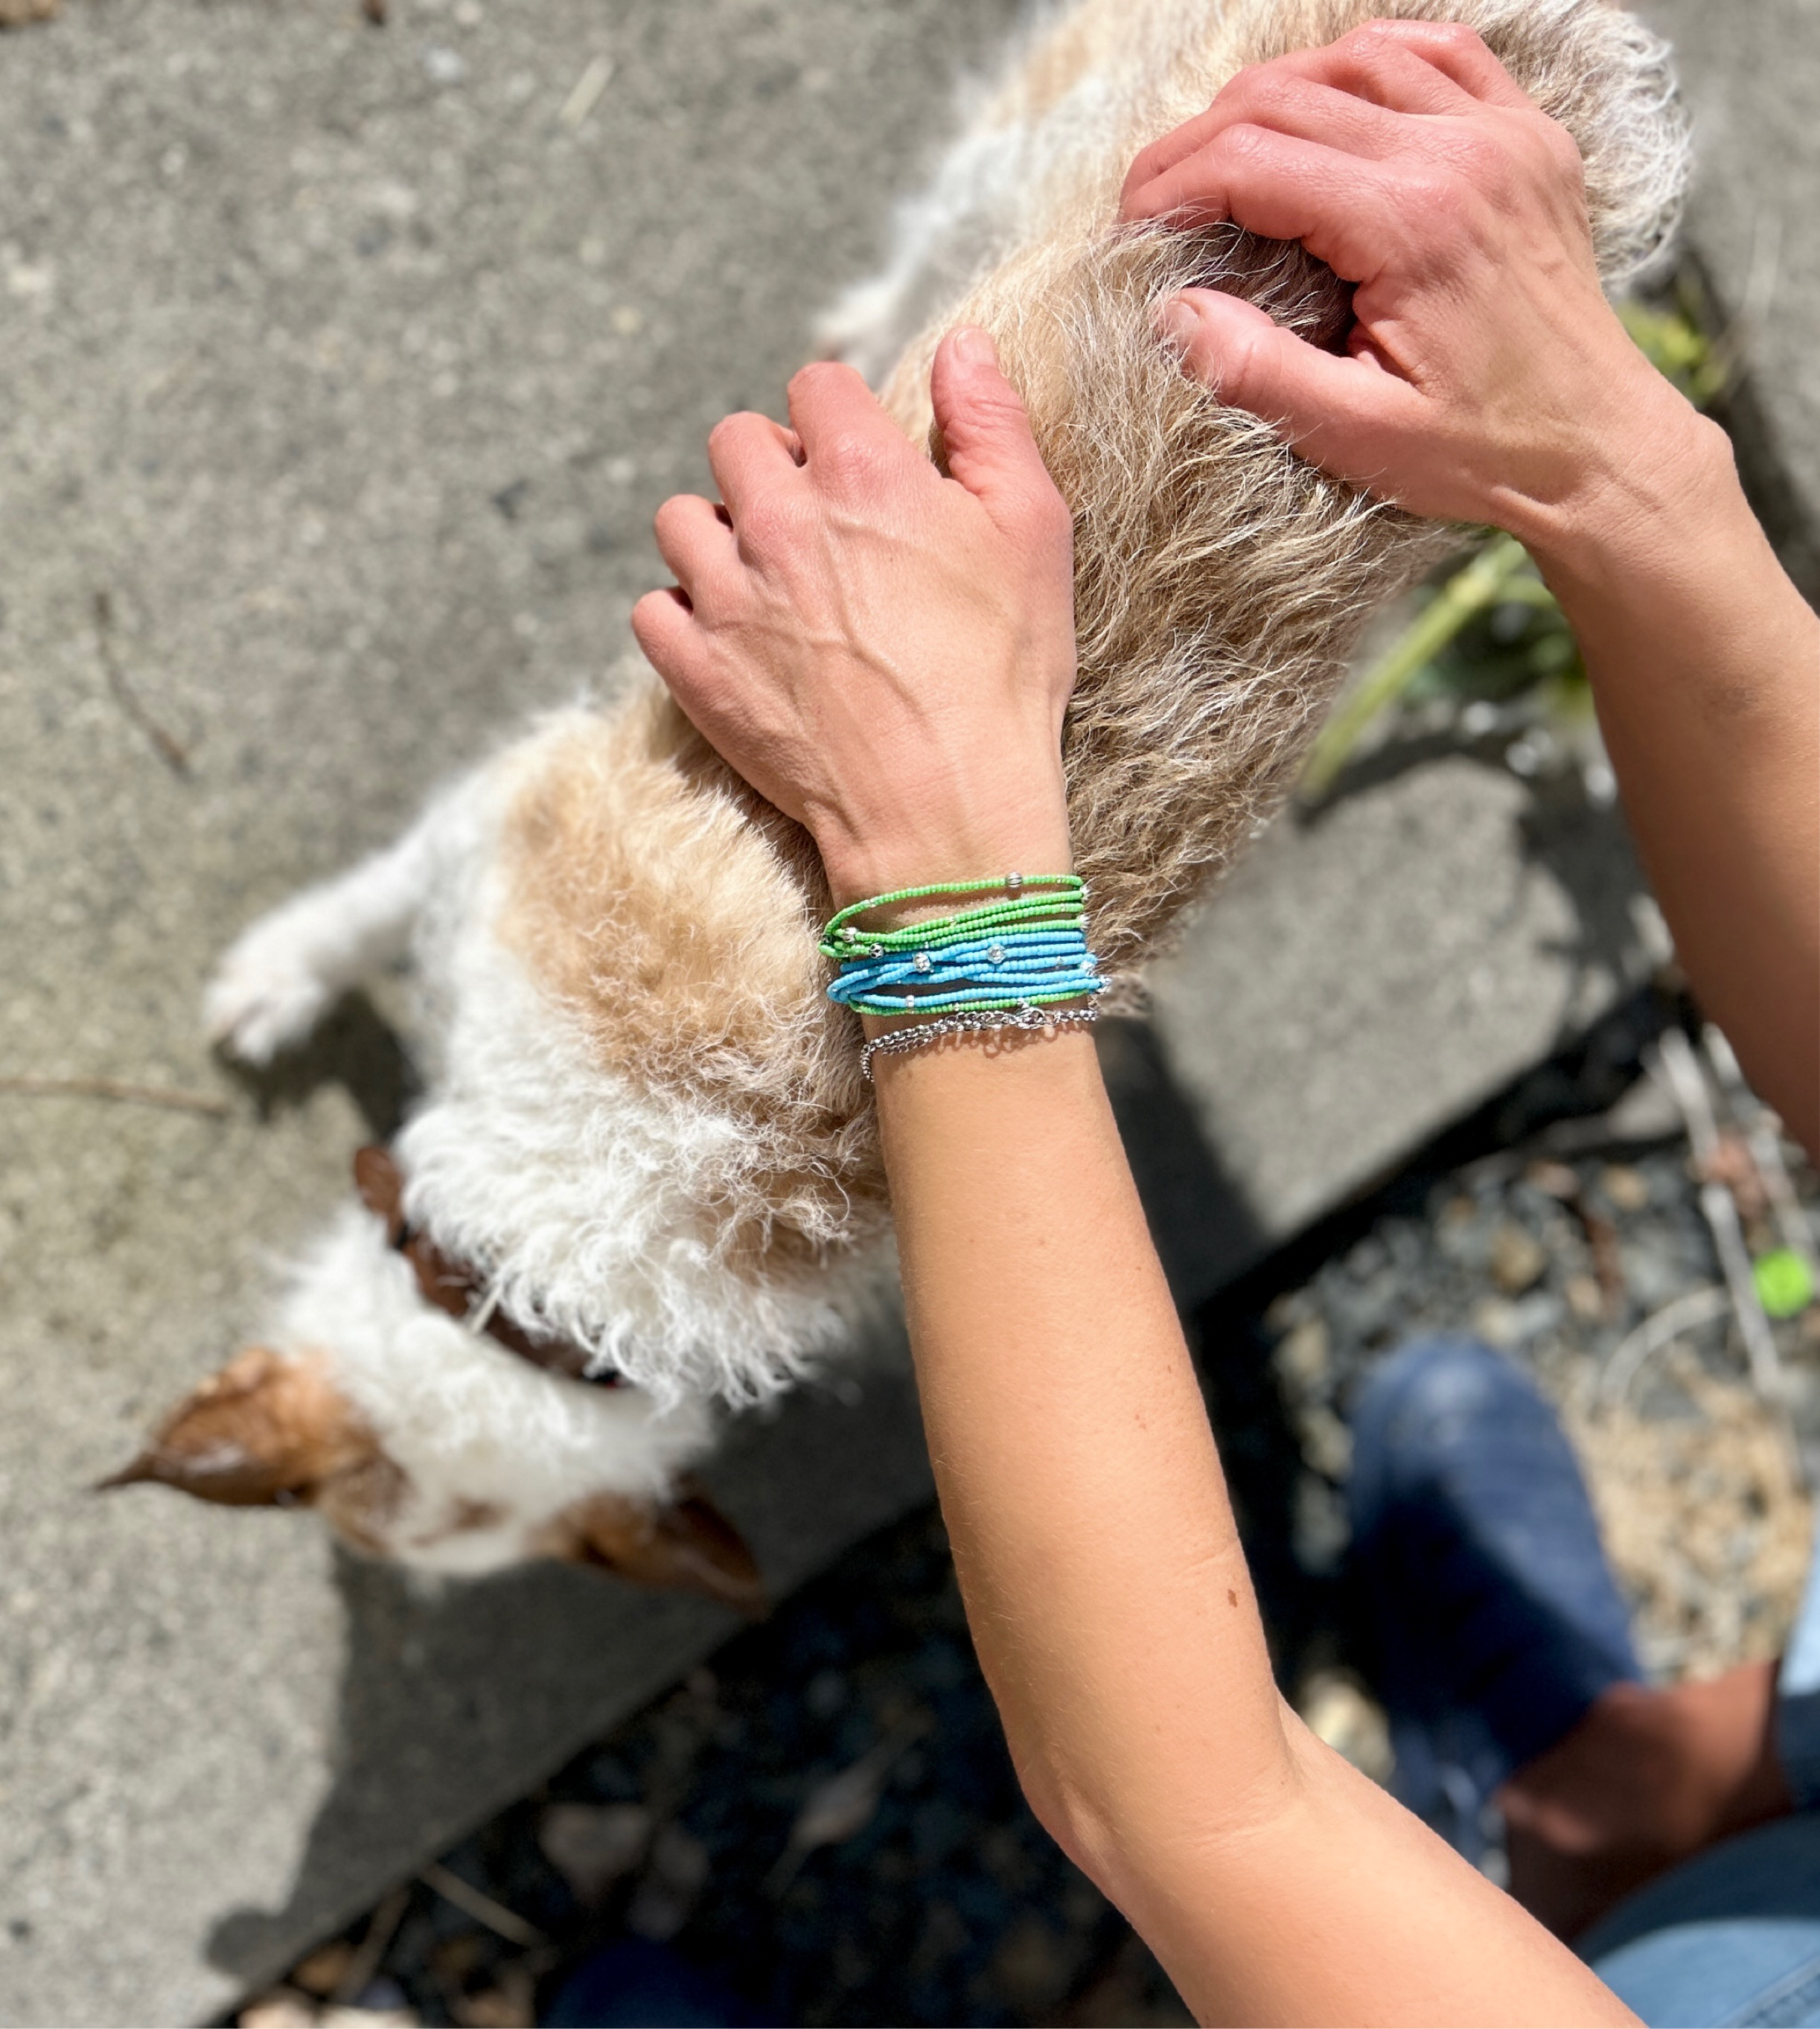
x=283, y=974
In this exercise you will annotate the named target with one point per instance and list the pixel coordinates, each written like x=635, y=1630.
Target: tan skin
x=886, y=654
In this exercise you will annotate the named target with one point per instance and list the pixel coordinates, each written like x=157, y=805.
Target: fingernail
x=974, y=347
x=1179, y=321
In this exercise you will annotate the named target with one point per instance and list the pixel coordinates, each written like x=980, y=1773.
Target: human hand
x=1486, y=379
x=883, y=653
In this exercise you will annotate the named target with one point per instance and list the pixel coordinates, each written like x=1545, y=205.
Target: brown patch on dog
x=268, y=1431
x=674, y=914
x=360, y=1503
x=684, y=1545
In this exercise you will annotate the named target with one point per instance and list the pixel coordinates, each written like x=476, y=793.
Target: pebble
x=1626, y=1188
x=1517, y=1259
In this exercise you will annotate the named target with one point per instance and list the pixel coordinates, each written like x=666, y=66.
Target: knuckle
x=1433, y=191
x=1457, y=35
x=1480, y=157
x=766, y=524
x=819, y=377
x=850, y=458
x=726, y=433
x=1274, y=89
x=1243, y=145
x=1562, y=153
x=1371, y=38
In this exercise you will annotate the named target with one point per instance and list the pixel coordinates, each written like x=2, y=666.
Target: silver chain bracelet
x=980, y=1021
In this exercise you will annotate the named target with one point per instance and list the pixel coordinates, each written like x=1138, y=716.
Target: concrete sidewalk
x=343, y=367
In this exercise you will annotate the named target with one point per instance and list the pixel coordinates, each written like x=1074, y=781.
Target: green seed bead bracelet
x=1060, y=907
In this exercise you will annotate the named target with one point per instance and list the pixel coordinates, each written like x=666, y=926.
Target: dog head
x=421, y=1442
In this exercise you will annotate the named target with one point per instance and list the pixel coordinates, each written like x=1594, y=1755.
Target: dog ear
x=683, y=1545
x=377, y=1178
x=265, y=1431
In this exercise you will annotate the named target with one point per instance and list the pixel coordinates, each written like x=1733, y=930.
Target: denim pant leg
x=1732, y=1936
x=1798, y=1697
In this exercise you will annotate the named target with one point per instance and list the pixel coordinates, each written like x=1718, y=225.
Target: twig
x=845, y=1804
x=371, y=1949
x=586, y=94
x=1698, y=1307
x=1675, y=1054
x=174, y=755
x=1763, y=1138
x=477, y=1903
x=117, y=1089
x=1483, y=582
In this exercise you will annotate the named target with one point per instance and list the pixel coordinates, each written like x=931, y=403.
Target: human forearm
x=1115, y=1619
x=1049, y=1354
x=1705, y=663
x=848, y=618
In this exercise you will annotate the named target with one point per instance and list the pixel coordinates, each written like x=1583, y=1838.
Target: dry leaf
x=325, y=1969
x=510, y=2003
x=282, y=2009
x=677, y=1873
x=594, y=1845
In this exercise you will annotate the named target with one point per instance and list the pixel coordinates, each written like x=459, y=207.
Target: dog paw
x=261, y=1002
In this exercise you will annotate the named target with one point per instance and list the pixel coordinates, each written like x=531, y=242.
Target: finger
x=695, y=538
x=1459, y=54
x=748, y=454
x=1251, y=362
x=665, y=629
x=986, y=428
x=1342, y=208
x=840, y=424
x=1414, y=67
x=1307, y=94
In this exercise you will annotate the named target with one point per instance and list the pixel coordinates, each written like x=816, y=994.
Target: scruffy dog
x=645, y=1182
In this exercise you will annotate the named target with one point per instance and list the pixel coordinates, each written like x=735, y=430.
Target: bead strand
x=1027, y=1017
x=1057, y=964
x=1025, y=950
x=843, y=936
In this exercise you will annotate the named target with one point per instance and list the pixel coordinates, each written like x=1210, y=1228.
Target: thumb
x=1250, y=361
x=984, y=427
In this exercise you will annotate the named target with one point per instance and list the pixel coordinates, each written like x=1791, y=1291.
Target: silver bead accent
x=921, y=961
x=1012, y=883
x=877, y=951
x=996, y=953
x=852, y=934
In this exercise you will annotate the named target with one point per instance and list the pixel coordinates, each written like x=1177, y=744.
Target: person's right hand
x=1486, y=379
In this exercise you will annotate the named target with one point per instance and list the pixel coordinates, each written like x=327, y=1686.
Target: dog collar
x=457, y=1288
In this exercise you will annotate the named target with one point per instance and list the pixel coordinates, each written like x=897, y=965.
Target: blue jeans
x=1496, y=1622
x=1733, y=1936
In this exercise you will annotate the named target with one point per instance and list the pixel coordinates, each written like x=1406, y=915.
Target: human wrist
x=1026, y=835
x=1646, y=480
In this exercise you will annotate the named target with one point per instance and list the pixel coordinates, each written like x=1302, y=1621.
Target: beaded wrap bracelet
x=1028, y=951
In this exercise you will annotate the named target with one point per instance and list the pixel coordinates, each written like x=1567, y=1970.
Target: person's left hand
x=884, y=653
